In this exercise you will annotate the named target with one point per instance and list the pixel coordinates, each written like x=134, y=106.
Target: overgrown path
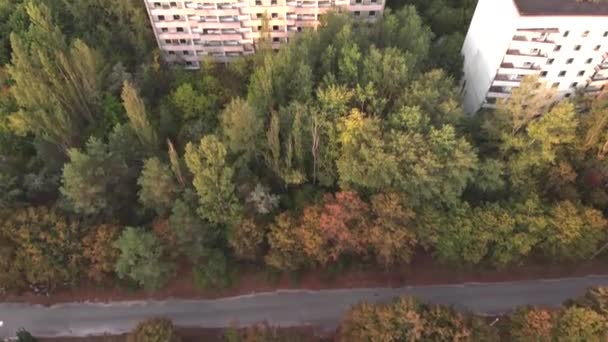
x=294, y=307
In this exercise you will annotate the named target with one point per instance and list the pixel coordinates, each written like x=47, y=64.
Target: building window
x=157, y=5
x=258, y=2
x=186, y=52
x=275, y=15
x=275, y=39
x=373, y=1
x=176, y=17
x=577, y=48
x=550, y=61
x=561, y=73
x=372, y=13
x=543, y=74
x=358, y=1
x=167, y=41
x=299, y=28
x=275, y=28
x=568, y=94
x=182, y=41
x=566, y=33
x=164, y=29
x=188, y=63
x=597, y=48
x=555, y=85
x=606, y=34
x=585, y=34
x=573, y=85
x=273, y=2
x=589, y=61
x=172, y=52
x=173, y=4
x=260, y=28
x=161, y=17
x=581, y=73
x=569, y=60
x=180, y=29
x=357, y=13
x=258, y=15
x=557, y=48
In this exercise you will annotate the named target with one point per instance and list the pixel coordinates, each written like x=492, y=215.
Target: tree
x=436, y=94
x=291, y=245
x=344, y=219
x=405, y=30
x=25, y=336
x=241, y=129
x=141, y=259
x=596, y=299
x=158, y=188
x=391, y=237
x=193, y=104
x=580, y=324
x=398, y=321
x=574, y=232
x=246, y=239
x=48, y=245
x=154, y=330
x=213, y=180
x=363, y=159
x=57, y=84
x=94, y=181
x=100, y=252
x=211, y=272
x=531, y=324
x=262, y=200
x=191, y=232
x=136, y=112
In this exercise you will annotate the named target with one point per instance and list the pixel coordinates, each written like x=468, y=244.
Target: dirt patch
x=254, y=279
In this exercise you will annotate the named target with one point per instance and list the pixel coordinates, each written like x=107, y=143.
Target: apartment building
x=189, y=30
x=564, y=42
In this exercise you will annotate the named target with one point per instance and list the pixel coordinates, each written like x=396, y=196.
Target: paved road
x=284, y=308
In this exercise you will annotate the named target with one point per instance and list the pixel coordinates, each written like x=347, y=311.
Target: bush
x=154, y=330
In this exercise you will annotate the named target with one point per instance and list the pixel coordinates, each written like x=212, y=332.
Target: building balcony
x=519, y=53
x=506, y=80
x=498, y=92
x=593, y=89
x=603, y=66
x=510, y=68
x=597, y=80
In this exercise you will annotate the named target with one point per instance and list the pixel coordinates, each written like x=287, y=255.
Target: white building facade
x=189, y=30
x=564, y=42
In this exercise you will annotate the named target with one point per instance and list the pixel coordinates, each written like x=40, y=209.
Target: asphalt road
x=285, y=308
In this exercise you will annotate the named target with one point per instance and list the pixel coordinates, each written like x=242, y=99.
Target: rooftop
x=561, y=7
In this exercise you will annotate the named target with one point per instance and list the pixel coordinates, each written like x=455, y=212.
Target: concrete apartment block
x=564, y=42
x=189, y=30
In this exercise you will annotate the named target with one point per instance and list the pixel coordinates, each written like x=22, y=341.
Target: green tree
x=436, y=94
x=57, y=84
x=191, y=232
x=136, y=112
x=211, y=272
x=241, y=129
x=141, y=259
x=213, y=180
x=93, y=181
x=158, y=188
x=154, y=330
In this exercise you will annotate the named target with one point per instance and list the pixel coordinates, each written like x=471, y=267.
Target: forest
x=346, y=147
